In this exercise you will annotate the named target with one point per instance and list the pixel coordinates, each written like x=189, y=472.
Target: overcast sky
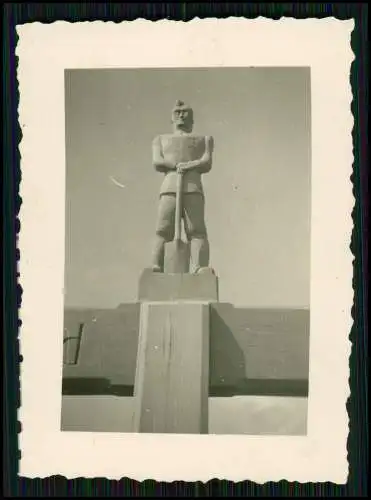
x=257, y=193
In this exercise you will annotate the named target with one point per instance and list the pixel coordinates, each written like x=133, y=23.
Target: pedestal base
x=155, y=286
x=172, y=376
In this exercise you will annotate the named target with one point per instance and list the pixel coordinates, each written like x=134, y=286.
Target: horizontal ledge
x=177, y=302
x=253, y=387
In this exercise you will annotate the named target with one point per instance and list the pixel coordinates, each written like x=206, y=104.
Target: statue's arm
x=203, y=164
x=157, y=158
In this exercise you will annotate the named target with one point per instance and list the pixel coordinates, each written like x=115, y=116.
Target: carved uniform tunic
x=179, y=149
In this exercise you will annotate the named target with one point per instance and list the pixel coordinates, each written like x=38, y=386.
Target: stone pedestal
x=178, y=287
x=172, y=374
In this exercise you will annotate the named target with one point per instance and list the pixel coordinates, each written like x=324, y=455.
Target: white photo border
x=44, y=52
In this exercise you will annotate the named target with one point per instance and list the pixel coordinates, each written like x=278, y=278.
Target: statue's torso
x=182, y=148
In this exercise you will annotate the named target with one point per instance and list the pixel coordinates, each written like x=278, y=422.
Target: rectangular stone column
x=172, y=374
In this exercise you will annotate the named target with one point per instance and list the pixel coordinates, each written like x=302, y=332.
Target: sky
x=257, y=193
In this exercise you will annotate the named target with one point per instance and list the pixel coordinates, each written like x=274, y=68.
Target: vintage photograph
x=185, y=265
x=187, y=250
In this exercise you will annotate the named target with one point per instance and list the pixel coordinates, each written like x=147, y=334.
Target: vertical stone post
x=172, y=376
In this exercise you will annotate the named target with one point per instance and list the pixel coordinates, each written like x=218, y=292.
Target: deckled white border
x=44, y=52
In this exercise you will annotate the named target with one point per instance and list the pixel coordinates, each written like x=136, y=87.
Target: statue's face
x=183, y=119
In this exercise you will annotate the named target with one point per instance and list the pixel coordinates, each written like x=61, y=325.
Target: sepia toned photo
x=185, y=262
x=187, y=276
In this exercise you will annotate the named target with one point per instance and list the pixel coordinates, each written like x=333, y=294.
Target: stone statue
x=190, y=155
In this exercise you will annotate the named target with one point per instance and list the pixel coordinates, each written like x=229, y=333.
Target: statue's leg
x=195, y=228
x=164, y=230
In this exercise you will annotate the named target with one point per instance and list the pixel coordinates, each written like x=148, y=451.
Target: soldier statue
x=182, y=152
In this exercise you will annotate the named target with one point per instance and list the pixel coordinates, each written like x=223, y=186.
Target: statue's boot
x=158, y=255
x=199, y=254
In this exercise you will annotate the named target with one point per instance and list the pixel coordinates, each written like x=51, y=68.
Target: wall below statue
x=252, y=351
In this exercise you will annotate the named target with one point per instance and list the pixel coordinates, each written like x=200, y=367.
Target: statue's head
x=182, y=117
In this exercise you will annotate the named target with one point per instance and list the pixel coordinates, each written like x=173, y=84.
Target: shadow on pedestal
x=227, y=360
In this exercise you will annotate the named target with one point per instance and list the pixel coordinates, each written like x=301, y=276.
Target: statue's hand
x=181, y=168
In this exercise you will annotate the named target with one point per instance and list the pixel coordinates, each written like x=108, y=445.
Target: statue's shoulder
x=159, y=139
x=162, y=137
x=166, y=136
x=207, y=138
x=202, y=138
